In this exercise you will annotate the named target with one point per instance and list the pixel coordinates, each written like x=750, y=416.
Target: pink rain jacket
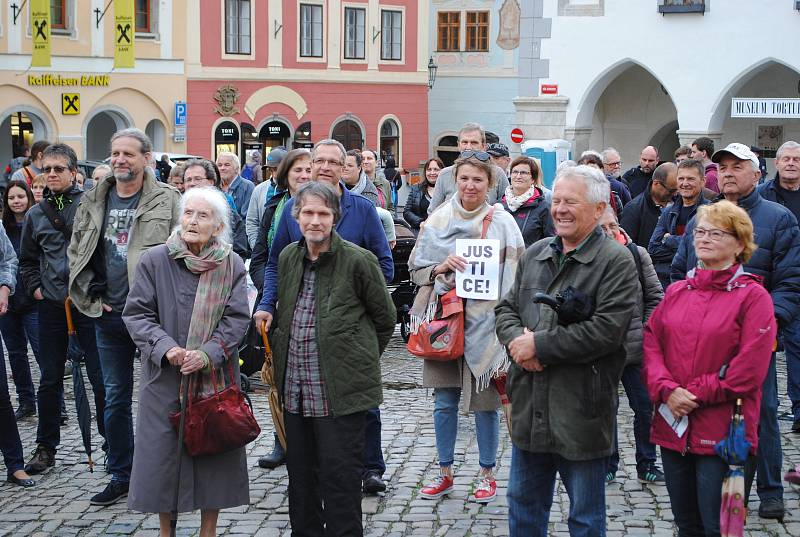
x=712, y=318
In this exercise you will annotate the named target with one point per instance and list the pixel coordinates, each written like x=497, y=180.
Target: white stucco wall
x=701, y=60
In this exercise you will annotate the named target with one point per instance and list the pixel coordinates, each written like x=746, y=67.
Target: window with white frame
x=311, y=30
x=391, y=34
x=354, y=32
x=237, y=26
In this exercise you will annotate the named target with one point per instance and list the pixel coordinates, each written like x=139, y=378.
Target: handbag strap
x=193, y=378
x=486, y=221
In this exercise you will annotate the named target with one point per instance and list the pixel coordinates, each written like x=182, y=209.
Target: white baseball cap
x=740, y=151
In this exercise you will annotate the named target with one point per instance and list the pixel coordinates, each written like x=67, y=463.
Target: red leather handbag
x=217, y=423
x=442, y=338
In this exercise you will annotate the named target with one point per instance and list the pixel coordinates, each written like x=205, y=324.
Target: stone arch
x=625, y=107
x=157, y=132
x=355, y=119
x=396, y=120
x=98, y=128
x=723, y=102
x=45, y=126
x=275, y=94
x=601, y=83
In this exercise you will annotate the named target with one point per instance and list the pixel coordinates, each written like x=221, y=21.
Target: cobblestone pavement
x=59, y=504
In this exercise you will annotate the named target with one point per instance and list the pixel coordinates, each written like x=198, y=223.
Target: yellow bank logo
x=70, y=104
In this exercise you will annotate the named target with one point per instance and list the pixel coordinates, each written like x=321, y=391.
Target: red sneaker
x=486, y=490
x=438, y=487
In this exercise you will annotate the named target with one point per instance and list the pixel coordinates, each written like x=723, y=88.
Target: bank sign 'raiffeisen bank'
x=766, y=108
x=58, y=80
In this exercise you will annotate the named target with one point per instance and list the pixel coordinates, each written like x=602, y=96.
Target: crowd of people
x=677, y=280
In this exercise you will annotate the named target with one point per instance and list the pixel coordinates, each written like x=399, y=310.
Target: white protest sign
x=481, y=279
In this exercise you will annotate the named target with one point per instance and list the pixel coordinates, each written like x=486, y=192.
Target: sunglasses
x=483, y=156
x=57, y=169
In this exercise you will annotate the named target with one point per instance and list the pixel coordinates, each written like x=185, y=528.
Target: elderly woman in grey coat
x=187, y=310
x=433, y=263
x=650, y=294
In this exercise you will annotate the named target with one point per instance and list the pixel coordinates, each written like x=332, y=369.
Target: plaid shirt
x=304, y=391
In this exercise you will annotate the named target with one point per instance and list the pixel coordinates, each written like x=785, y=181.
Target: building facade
x=289, y=73
x=658, y=72
x=482, y=54
x=81, y=99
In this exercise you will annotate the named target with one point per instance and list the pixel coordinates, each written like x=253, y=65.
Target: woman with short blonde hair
x=708, y=344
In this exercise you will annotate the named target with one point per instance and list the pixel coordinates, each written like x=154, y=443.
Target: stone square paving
x=59, y=504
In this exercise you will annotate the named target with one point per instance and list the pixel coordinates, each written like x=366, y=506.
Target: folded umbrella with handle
x=268, y=376
x=733, y=449
x=79, y=389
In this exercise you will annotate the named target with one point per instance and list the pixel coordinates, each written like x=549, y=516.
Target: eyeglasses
x=483, y=156
x=330, y=162
x=523, y=173
x=671, y=191
x=614, y=164
x=58, y=169
x=715, y=235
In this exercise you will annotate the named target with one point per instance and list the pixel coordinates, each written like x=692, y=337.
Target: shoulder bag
x=219, y=422
x=442, y=338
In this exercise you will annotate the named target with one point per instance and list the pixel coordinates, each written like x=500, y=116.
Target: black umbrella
x=79, y=387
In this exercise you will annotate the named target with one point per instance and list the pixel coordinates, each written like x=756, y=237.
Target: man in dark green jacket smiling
x=333, y=320
x=563, y=380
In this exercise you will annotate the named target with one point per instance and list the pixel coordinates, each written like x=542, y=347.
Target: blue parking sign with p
x=180, y=113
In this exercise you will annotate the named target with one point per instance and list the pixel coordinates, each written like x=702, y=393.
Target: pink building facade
x=268, y=73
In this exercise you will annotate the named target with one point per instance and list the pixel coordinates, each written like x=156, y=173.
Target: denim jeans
x=373, y=453
x=694, y=484
x=10, y=445
x=791, y=343
x=18, y=328
x=445, y=423
x=531, y=484
x=53, y=341
x=639, y=402
x=770, y=456
x=116, y=349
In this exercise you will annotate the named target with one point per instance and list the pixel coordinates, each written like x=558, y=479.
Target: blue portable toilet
x=549, y=153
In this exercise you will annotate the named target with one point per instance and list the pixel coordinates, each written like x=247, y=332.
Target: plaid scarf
x=483, y=353
x=215, y=268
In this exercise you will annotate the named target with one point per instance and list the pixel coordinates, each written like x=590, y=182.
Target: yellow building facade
x=81, y=100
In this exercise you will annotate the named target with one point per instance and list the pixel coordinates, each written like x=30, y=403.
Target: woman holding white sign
x=434, y=263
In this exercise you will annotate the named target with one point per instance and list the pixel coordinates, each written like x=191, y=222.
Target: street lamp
x=432, y=67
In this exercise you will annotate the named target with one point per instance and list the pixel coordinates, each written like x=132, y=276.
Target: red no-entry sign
x=517, y=136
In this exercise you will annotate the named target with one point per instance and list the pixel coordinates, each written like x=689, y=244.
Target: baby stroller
x=401, y=287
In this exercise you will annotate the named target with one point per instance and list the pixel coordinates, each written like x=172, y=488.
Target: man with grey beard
x=125, y=214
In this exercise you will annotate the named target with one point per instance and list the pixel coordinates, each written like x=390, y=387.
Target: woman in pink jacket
x=708, y=343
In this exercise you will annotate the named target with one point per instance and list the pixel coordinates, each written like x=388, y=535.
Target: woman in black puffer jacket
x=526, y=201
x=416, y=209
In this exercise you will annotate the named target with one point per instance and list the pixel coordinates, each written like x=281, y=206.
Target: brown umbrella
x=500, y=385
x=268, y=376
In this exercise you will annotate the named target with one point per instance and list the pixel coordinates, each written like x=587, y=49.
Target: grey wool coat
x=157, y=315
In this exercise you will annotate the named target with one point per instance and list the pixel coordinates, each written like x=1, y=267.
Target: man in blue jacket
x=674, y=219
x=784, y=188
x=777, y=260
x=359, y=223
